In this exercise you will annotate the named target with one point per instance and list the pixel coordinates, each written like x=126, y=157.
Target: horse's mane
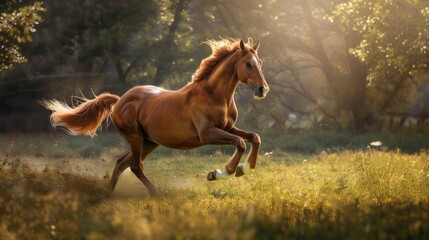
x=220, y=50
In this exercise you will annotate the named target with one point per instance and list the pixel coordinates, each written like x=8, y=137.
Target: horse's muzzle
x=260, y=91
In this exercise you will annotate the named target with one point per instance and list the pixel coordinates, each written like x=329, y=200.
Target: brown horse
x=202, y=112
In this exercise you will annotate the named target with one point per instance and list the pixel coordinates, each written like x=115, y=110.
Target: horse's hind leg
x=142, y=148
x=121, y=164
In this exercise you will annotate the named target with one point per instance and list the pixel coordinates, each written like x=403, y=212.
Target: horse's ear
x=242, y=47
x=256, y=46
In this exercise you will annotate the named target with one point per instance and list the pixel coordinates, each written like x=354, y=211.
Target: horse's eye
x=248, y=65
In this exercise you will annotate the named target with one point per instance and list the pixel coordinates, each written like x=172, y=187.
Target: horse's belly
x=167, y=132
x=183, y=144
x=176, y=141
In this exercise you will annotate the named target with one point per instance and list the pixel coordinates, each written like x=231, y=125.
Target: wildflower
x=268, y=153
x=376, y=144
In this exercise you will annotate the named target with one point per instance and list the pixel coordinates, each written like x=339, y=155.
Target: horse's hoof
x=241, y=170
x=212, y=175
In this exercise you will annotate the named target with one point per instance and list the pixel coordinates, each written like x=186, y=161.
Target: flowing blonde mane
x=221, y=49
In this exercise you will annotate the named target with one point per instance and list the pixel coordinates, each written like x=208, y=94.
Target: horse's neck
x=223, y=81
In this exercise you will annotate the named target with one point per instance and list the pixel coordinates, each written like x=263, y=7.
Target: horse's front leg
x=220, y=137
x=253, y=156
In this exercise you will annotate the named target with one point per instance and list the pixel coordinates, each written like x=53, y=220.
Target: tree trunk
x=364, y=118
x=120, y=71
x=165, y=57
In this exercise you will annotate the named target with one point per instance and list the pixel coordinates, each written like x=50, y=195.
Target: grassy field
x=56, y=189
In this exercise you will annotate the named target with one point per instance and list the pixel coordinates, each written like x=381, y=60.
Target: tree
x=309, y=57
x=16, y=26
x=394, y=44
x=166, y=56
x=128, y=42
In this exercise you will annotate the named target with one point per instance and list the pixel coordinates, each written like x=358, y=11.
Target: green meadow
x=344, y=127
x=49, y=191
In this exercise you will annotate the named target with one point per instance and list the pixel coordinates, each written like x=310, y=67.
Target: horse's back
x=162, y=114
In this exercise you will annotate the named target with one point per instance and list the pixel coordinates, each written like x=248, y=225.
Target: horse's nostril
x=261, y=90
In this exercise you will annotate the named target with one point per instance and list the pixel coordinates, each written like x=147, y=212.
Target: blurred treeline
x=331, y=64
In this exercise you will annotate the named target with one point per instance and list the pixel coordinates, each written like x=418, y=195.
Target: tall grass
x=339, y=194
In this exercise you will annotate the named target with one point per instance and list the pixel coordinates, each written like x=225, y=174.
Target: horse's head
x=249, y=69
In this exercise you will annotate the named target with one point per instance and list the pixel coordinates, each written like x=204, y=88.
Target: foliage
x=119, y=40
x=314, y=73
x=16, y=27
x=395, y=35
x=324, y=60
x=394, y=44
x=335, y=195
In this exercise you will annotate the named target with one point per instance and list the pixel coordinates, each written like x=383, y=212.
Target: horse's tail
x=83, y=119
